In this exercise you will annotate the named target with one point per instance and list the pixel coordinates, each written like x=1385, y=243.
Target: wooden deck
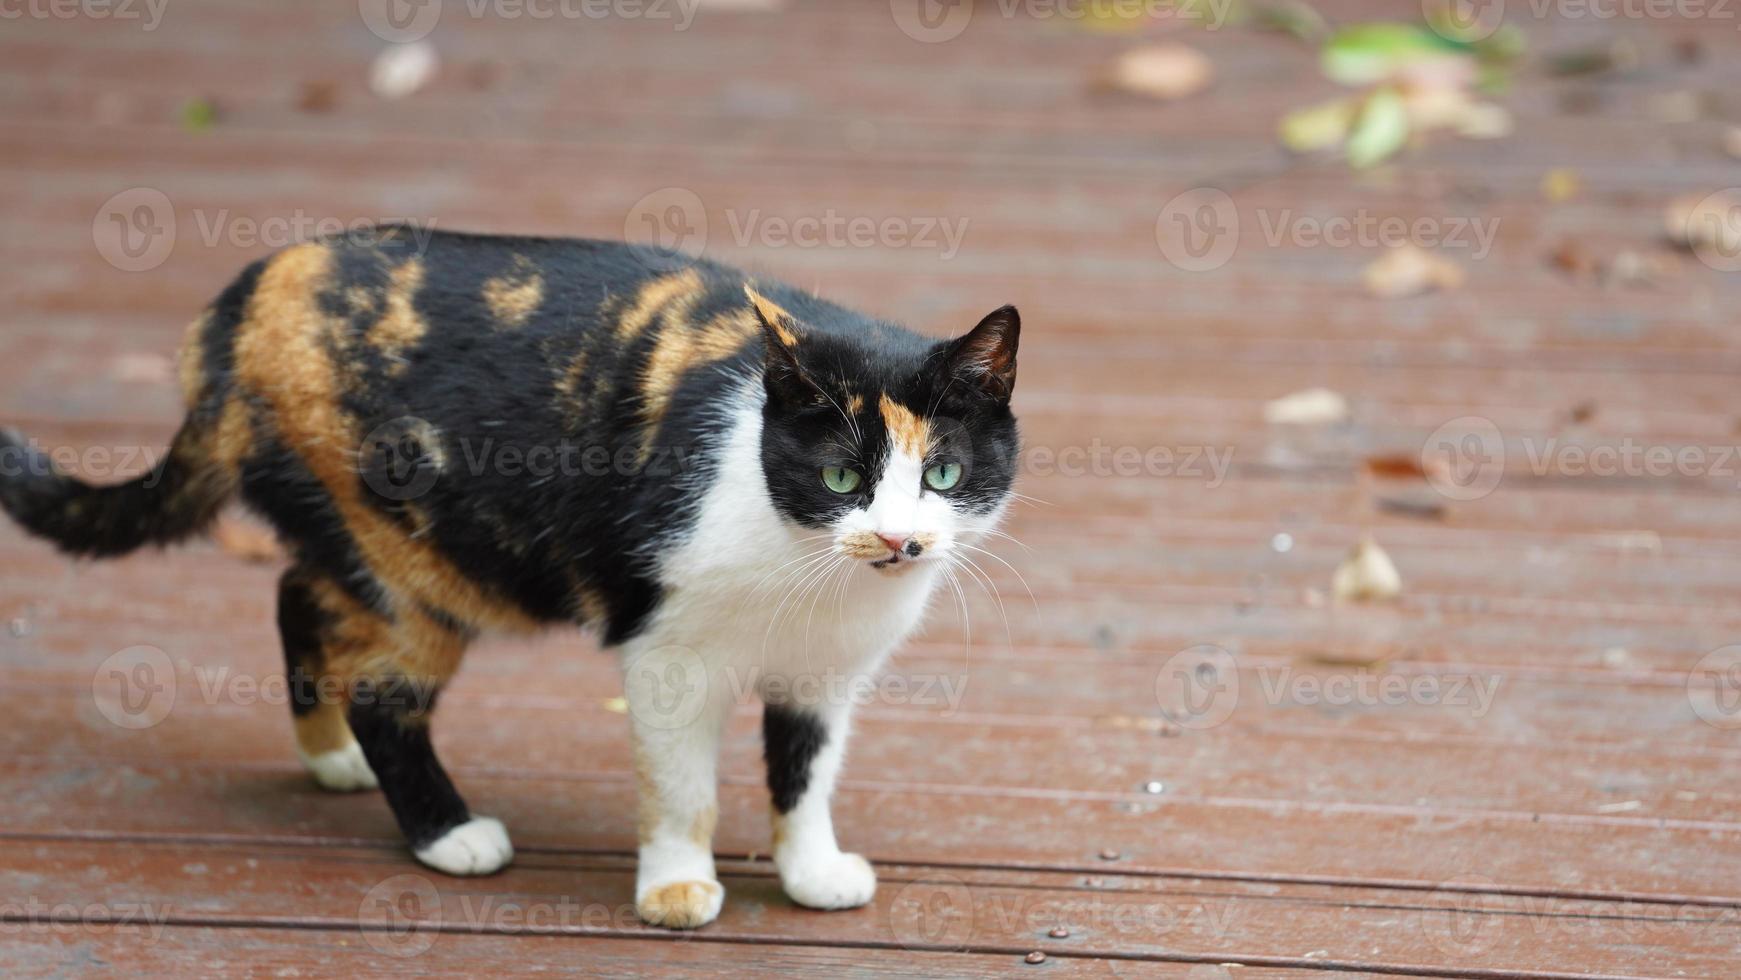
x=1552, y=792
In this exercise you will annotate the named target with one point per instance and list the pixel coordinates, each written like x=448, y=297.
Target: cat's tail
x=177, y=498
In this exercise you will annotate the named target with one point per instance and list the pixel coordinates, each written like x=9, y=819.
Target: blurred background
x=1373, y=606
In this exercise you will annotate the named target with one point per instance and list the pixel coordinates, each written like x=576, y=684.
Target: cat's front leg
x=677, y=718
x=804, y=746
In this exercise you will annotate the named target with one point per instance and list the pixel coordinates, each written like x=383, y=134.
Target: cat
x=462, y=433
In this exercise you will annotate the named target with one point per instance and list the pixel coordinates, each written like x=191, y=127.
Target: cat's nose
x=896, y=542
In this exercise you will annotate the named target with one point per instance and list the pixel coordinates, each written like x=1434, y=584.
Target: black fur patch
x=389, y=720
x=790, y=741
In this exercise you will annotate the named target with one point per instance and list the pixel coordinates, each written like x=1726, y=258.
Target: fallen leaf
x=1314, y=406
x=1396, y=466
x=1582, y=412
x=1711, y=222
x=1561, y=184
x=616, y=706
x=1572, y=259
x=244, y=539
x=1363, y=661
x=1167, y=71
x=1366, y=575
x=1485, y=121
x=1362, y=54
x=198, y=115
x=317, y=97
x=1380, y=130
x=1619, y=55
x=1318, y=127
x=1408, y=270
x=402, y=69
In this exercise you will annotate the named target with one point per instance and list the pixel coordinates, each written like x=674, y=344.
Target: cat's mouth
x=894, y=564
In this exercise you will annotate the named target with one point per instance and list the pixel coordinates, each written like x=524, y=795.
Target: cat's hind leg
x=365, y=684
x=309, y=607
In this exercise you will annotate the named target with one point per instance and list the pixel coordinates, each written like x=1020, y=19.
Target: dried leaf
x=1380, y=130
x=1572, y=259
x=244, y=539
x=318, y=97
x=1407, y=270
x=1314, y=406
x=1366, y=575
x=402, y=69
x=616, y=706
x=1167, y=71
x=1396, y=466
x=1561, y=184
x=1485, y=121
x=1318, y=127
x=1706, y=222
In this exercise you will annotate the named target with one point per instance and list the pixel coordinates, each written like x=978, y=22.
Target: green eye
x=840, y=479
x=943, y=476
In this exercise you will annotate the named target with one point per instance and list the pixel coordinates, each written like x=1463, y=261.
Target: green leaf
x=1380, y=130
x=198, y=115
x=1365, y=53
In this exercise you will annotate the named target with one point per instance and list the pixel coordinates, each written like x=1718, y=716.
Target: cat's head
x=898, y=448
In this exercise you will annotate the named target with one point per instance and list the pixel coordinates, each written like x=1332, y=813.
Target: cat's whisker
x=985, y=582
x=810, y=572
x=755, y=592
x=999, y=558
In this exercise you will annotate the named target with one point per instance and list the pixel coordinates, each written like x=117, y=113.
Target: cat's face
x=896, y=451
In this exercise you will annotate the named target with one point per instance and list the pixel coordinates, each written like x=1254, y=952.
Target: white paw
x=477, y=847
x=833, y=881
x=341, y=770
x=680, y=904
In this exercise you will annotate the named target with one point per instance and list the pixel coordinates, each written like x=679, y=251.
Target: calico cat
x=456, y=433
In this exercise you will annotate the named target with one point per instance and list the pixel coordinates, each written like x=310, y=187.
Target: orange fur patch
x=910, y=433
x=190, y=368
x=855, y=404
x=863, y=544
x=651, y=299
x=400, y=328
x=282, y=357
x=775, y=314
x=513, y=298
x=681, y=347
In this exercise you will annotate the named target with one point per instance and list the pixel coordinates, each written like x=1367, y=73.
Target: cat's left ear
x=987, y=355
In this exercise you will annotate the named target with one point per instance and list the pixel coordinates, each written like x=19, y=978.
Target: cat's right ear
x=788, y=386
